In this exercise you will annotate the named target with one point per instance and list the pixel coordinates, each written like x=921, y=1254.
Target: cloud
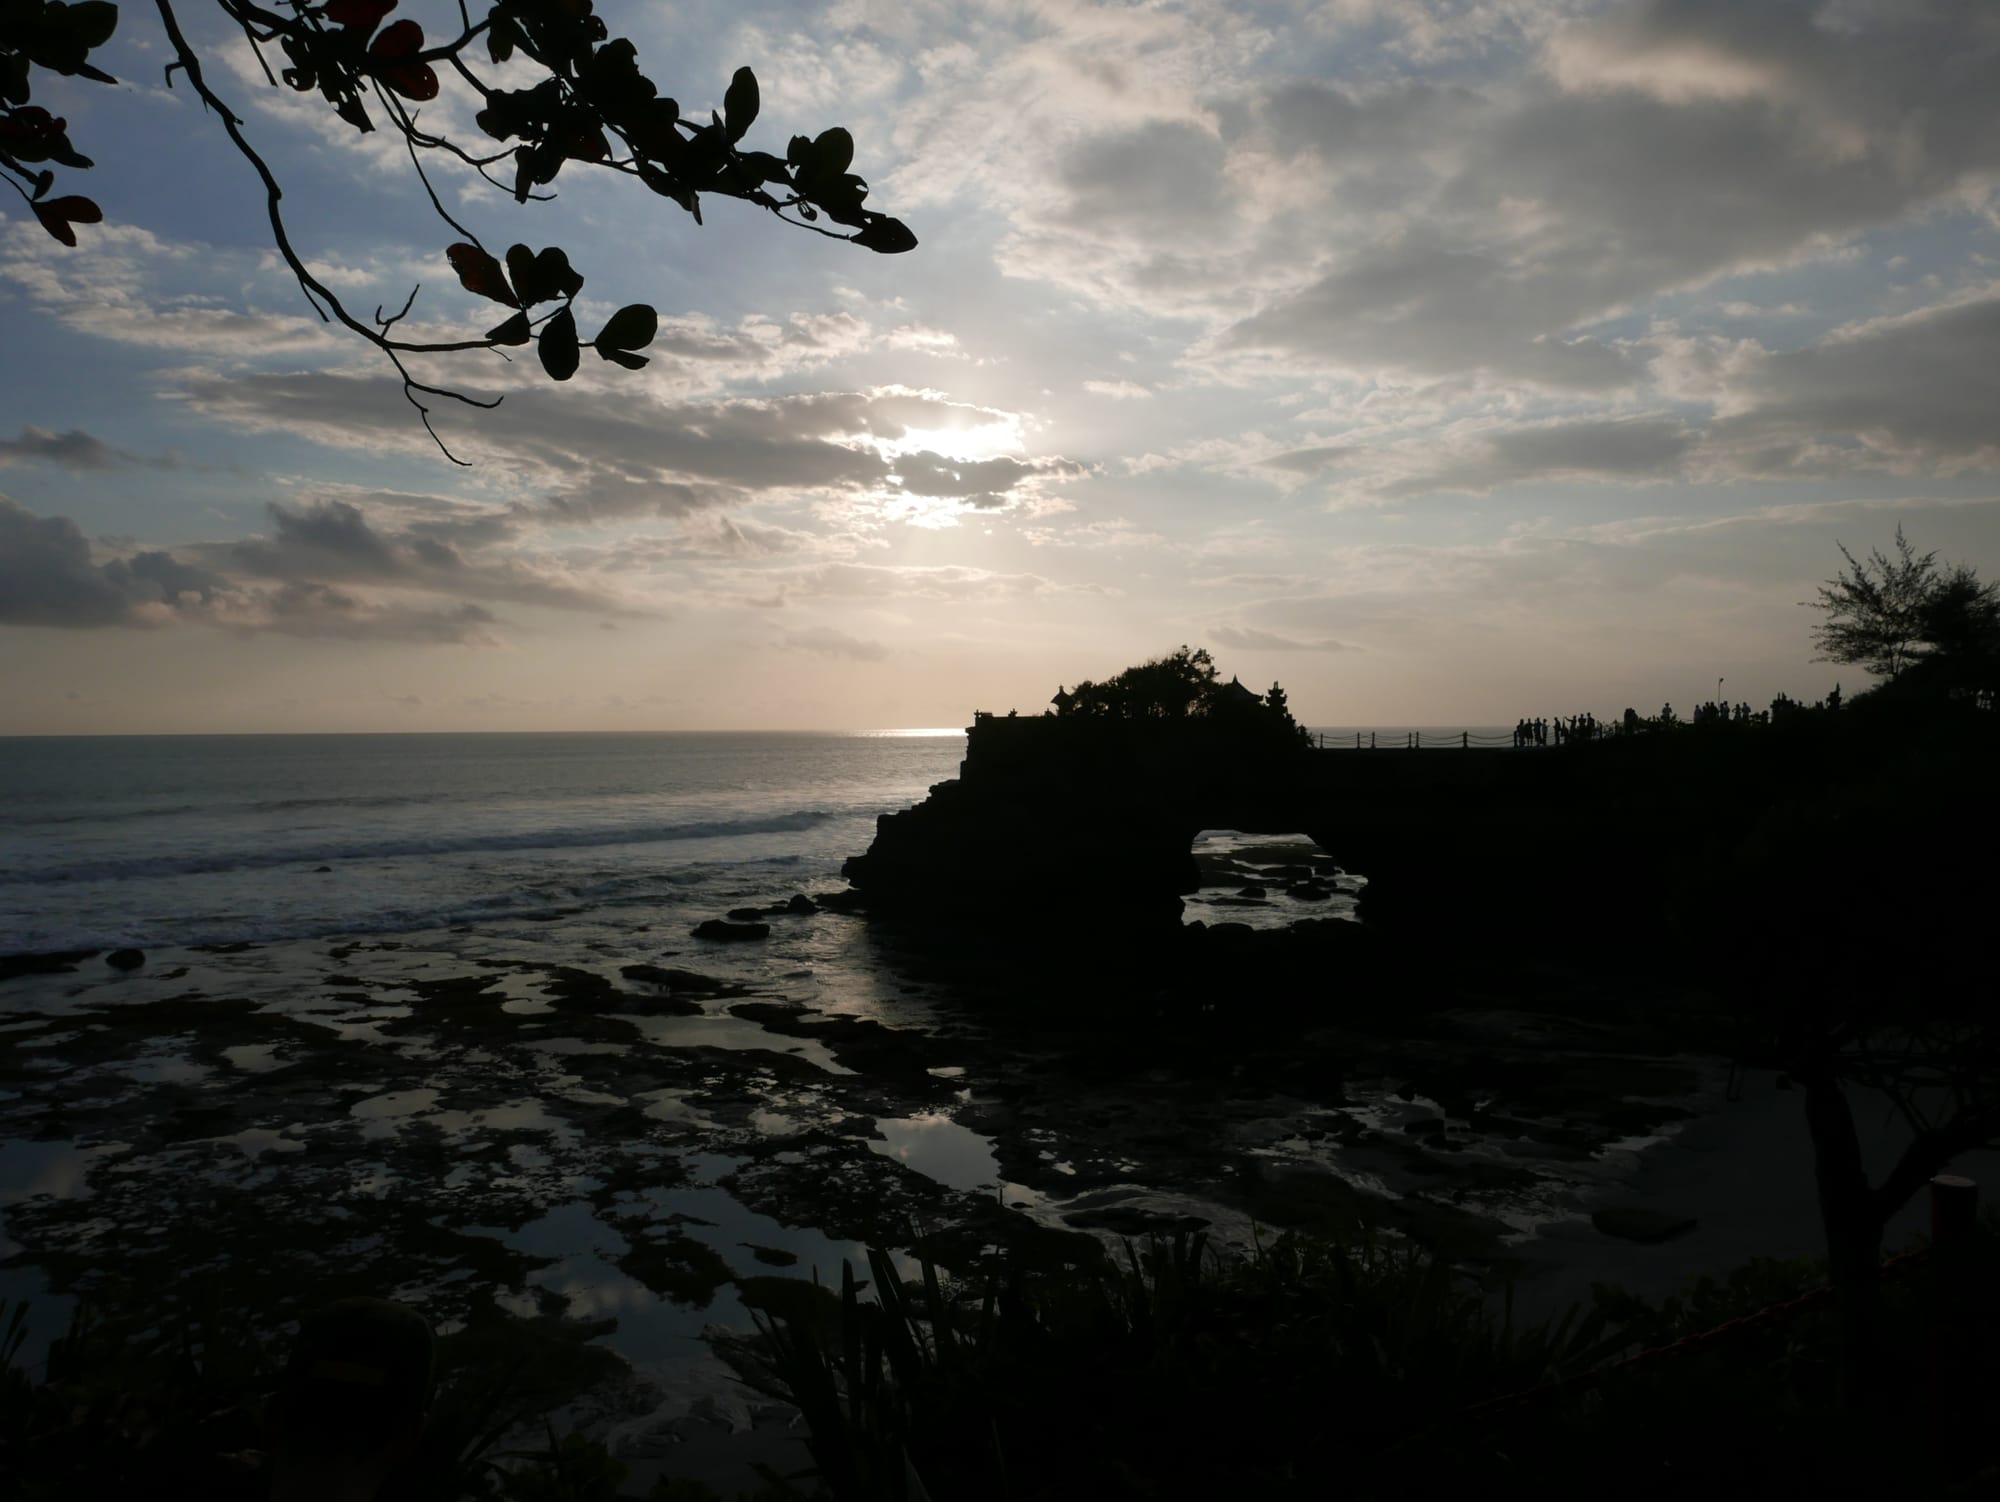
x=1121, y=390
x=48, y=578
x=321, y=610
x=948, y=582
x=1662, y=147
x=331, y=540
x=75, y=449
x=1914, y=392
x=597, y=460
x=1250, y=639
x=828, y=642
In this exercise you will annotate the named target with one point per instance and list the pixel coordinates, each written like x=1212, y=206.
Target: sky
x=1448, y=361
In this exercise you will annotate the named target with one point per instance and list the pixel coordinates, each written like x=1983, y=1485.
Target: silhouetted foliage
x=1315, y=1368
x=1183, y=685
x=1891, y=614
x=590, y=104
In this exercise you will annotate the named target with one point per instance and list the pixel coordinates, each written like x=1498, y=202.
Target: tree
x=1890, y=614
x=1900, y=1010
x=1175, y=687
x=590, y=104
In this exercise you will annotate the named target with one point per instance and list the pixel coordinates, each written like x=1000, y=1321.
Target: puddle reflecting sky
x=939, y=1148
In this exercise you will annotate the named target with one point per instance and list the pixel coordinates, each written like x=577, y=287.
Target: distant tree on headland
x=1895, y=615
x=1183, y=685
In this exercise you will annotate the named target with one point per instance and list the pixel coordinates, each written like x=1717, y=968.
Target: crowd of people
x=1578, y=727
x=1587, y=727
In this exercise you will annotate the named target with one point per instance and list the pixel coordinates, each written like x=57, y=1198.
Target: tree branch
x=190, y=63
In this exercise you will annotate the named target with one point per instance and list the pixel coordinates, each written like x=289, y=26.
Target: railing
x=1421, y=740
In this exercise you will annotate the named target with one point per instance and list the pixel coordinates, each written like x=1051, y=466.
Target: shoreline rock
x=725, y=931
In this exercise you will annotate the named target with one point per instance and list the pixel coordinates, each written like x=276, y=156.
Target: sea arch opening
x=1267, y=880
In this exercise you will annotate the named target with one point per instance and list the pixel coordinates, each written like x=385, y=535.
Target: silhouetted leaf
x=623, y=357
x=399, y=40
x=411, y=80
x=479, y=272
x=832, y=152
x=544, y=277
x=533, y=165
x=501, y=38
x=92, y=22
x=14, y=78
x=886, y=236
x=358, y=15
x=587, y=144
x=631, y=327
x=765, y=167
x=513, y=331
x=58, y=214
x=668, y=187
x=739, y=104
x=553, y=264
x=521, y=272
x=558, y=346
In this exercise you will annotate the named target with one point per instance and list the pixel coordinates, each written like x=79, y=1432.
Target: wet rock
x=776, y=1016
x=459, y=990
x=745, y=914
x=690, y=982
x=840, y=902
x=53, y=962
x=772, y=1256
x=1253, y=890
x=244, y=946
x=125, y=959
x=859, y=1043
x=322, y=870
x=567, y=983
x=800, y=905
x=1636, y=1223
x=1115, y=1210
x=728, y=932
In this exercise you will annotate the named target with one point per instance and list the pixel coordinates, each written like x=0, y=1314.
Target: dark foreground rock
x=53, y=962
x=723, y=930
x=125, y=959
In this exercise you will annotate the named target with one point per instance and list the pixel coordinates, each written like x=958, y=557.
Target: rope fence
x=1419, y=740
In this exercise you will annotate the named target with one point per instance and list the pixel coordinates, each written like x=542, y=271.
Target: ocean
x=145, y=841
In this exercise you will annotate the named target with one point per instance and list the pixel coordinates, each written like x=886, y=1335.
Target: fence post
x=1465, y=740
x=1417, y=739
x=1371, y=740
